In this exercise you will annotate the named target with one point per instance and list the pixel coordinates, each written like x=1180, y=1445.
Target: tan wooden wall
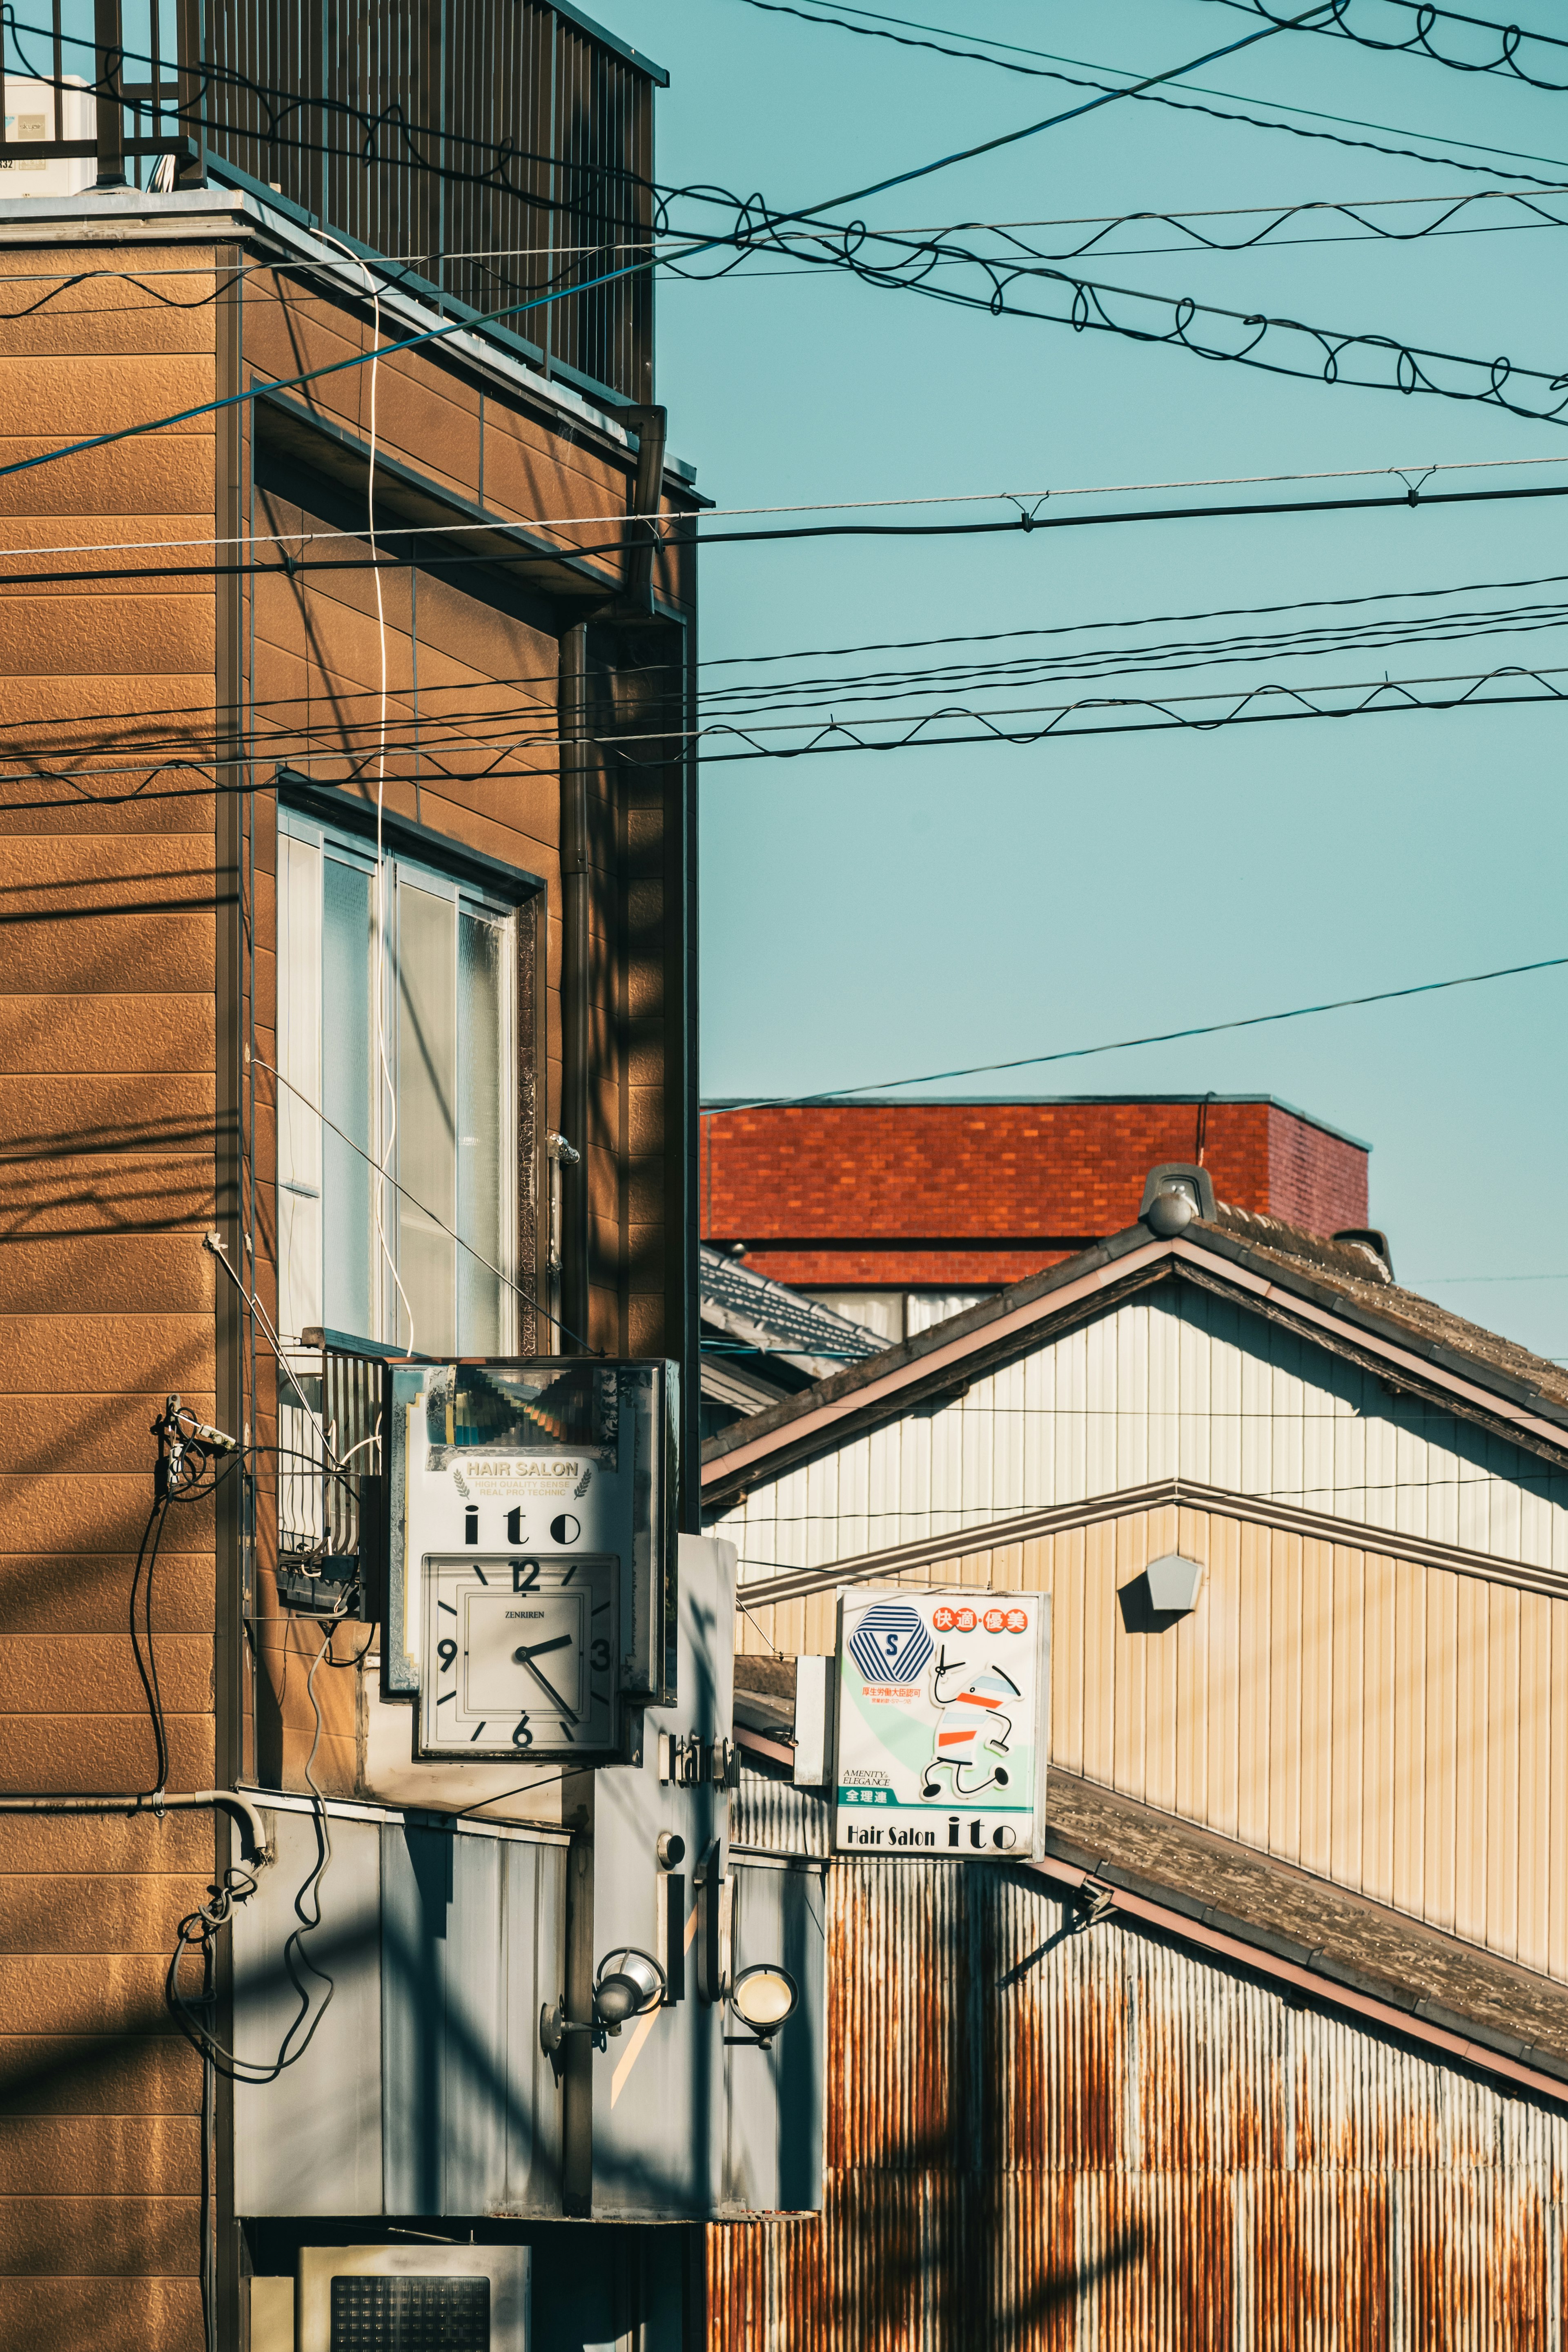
x=106, y=1301
x=1398, y=1727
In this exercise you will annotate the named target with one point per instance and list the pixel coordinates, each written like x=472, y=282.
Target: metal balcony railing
x=500, y=151
x=329, y=1463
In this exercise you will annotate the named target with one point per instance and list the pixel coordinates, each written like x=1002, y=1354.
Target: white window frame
x=305, y=844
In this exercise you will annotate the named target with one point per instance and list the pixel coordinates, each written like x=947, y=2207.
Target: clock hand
x=544, y=1682
x=542, y=1649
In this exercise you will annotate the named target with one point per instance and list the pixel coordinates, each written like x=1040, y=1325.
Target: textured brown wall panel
x=98, y=2075
x=104, y=2236
x=150, y=1353
x=118, y=2314
x=107, y=1032
x=64, y=1753
x=109, y=1993
x=82, y=1592
x=146, y=1275
x=98, y=2156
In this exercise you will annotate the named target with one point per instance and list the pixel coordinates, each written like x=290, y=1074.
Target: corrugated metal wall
x=1396, y=1726
x=424, y=2089
x=1180, y=1383
x=1043, y=2137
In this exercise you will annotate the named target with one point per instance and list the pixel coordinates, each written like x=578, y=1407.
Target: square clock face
x=524, y=1655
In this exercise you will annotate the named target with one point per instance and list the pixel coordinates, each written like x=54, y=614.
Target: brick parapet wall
x=969, y=1195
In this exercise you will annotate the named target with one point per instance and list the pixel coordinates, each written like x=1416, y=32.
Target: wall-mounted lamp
x=1175, y=1583
x=765, y=1997
x=627, y=1983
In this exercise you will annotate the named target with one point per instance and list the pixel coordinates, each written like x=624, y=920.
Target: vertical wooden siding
x=1398, y=1727
x=106, y=1080
x=1177, y=1383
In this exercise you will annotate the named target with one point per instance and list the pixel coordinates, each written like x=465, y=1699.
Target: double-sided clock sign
x=529, y=1557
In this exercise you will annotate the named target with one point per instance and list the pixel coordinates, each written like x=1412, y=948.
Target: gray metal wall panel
x=773, y=2105
x=309, y=2142
x=472, y=1948
x=533, y=1931
x=476, y=2077
x=416, y=1902
x=658, y=2118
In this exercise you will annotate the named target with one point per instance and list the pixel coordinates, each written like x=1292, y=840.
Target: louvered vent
x=411, y=2314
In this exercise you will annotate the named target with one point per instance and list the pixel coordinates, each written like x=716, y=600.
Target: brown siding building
x=328, y=910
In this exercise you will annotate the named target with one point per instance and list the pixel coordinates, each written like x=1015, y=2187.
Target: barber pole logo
x=891, y=1643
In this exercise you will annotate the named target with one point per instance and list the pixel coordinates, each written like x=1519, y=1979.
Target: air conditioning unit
x=386, y=2298
x=29, y=115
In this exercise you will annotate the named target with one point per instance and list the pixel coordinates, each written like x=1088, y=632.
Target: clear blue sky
x=872, y=915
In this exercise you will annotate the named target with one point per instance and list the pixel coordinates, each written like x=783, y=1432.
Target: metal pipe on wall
x=576, y=1011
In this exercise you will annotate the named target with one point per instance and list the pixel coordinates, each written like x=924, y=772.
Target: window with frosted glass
x=429, y=1092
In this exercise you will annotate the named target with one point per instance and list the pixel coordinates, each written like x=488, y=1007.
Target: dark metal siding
x=1045, y=2138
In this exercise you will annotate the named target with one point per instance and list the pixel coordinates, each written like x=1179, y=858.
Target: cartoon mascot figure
x=972, y=1726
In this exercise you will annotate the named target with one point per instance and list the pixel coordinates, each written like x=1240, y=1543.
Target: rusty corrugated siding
x=1042, y=2137
x=775, y=1817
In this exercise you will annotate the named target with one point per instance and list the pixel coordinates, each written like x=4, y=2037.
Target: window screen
x=434, y=1094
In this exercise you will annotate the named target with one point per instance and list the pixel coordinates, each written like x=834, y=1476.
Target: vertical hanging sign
x=943, y=1721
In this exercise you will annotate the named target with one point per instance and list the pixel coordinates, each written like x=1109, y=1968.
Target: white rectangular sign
x=944, y=1719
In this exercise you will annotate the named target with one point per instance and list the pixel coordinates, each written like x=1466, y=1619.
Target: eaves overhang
x=938, y=1365
x=281, y=232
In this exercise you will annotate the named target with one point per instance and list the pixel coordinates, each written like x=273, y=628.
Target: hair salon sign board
x=943, y=1721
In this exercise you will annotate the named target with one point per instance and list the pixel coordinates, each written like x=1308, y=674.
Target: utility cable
x=1162, y=713
x=883, y=27
x=1510, y=39
x=1128, y=1044
x=1425, y=468
x=605, y=278
x=384, y=1063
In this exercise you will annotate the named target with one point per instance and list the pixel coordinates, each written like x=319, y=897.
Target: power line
x=879, y=28
x=223, y=715
x=515, y=309
x=1051, y=122
x=1033, y=498
x=1510, y=39
x=688, y=524
x=1129, y=1045
x=1384, y=698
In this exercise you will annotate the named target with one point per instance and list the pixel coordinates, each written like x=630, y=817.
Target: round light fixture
x=627, y=1983
x=765, y=1998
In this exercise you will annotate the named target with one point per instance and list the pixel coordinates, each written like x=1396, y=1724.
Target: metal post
x=576, y=1011
x=107, y=60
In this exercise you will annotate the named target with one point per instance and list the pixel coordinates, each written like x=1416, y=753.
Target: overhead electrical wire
x=882, y=26
x=1510, y=39
x=1026, y=523
x=1268, y=703
x=743, y=704
x=1129, y=1045
x=514, y=309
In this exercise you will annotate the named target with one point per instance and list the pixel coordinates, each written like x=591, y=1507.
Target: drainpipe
x=568, y=1178
x=561, y=1155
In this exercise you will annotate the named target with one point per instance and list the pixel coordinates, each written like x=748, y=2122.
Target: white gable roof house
x=1303, y=1914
